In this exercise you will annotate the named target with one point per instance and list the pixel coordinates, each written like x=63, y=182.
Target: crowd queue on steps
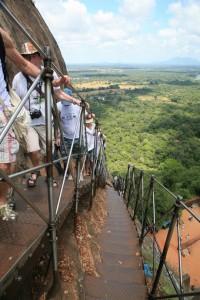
x=30, y=63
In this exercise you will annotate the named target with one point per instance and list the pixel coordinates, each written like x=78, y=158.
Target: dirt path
x=191, y=263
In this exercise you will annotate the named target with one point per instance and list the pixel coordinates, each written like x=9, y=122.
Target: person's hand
x=93, y=116
x=87, y=105
x=61, y=80
x=76, y=102
x=57, y=142
x=90, y=116
x=66, y=79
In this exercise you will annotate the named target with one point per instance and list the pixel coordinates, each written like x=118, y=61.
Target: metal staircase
x=121, y=274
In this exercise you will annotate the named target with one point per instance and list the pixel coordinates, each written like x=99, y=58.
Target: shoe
x=70, y=177
x=81, y=177
x=7, y=214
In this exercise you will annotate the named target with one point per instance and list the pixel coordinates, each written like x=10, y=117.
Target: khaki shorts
x=36, y=139
x=9, y=146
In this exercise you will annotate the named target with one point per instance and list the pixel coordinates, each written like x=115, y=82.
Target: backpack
x=22, y=122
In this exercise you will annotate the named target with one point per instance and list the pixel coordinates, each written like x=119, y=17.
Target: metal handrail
x=176, y=206
x=67, y=164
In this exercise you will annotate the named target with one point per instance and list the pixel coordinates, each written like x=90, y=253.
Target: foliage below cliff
x=151, y=120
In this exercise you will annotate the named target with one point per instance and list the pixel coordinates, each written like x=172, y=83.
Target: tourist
x=9, y=146
x=69, y=116
x=36, y=136
x=90, y=132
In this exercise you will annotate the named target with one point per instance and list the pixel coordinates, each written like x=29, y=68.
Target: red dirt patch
x=191, y=262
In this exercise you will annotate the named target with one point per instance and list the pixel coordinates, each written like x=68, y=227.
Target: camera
x=35, y=114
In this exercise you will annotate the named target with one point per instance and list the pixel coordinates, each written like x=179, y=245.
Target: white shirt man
x=36, y=136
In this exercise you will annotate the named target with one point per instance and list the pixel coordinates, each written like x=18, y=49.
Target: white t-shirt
x=3, y=91
x=90, y=137
x=69, y=116
x=35, y=101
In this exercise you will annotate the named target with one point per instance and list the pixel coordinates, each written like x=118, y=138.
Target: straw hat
x=87, y=121
x=28, y=48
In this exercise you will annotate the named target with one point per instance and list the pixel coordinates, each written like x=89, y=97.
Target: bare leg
x=72, y=168
x=35, y=159
x=83, y=170
x=91, y=166
x=3, y=185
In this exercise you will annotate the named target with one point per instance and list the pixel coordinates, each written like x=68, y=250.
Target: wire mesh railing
x=159, y=217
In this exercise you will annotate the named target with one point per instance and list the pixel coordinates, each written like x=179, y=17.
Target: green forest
x=151, y=119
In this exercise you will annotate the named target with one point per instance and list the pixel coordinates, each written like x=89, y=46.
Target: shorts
x=90, y=155
x=36, y=139
x=9, y=146
x=68, y=143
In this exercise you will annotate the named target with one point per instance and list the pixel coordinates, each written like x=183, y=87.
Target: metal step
x=101, y=288
x=121, y=259
x=121, y=273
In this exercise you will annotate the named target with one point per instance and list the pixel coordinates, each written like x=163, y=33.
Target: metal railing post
x=78, y=164
x=138, y=195
x=146, y=209
x=94, y=168
x=131, y=187
x=49, y=168
x=166, y=247
x=179, y=255
x=95, y=159
x=127, y=181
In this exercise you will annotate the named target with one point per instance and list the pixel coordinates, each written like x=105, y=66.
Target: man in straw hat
x=36, y=137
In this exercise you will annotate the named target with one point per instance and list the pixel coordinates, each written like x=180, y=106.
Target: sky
x=123, y=31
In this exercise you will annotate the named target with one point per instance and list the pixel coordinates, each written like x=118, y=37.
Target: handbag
x=22, y=122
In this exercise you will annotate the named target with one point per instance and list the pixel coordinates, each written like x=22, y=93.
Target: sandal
x=31, y=182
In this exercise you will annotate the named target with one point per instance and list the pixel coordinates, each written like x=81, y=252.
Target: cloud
x=63, y=16
x=133, y=33
x=139, y=10
x=186, y=16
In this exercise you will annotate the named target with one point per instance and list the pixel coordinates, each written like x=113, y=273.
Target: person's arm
x=62, y=95
x=61, y=80
x=57, y=140
x=24, y=65
x=16, y=57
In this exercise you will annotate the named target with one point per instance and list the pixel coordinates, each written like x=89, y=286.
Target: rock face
x=29, y=17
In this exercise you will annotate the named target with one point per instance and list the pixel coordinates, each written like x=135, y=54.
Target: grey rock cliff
x=29, y=17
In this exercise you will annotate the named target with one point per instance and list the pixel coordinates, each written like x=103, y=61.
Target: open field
x=154, y=98
x=99, y=84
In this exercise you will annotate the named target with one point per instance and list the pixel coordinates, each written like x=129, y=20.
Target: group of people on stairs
x=30, y=63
